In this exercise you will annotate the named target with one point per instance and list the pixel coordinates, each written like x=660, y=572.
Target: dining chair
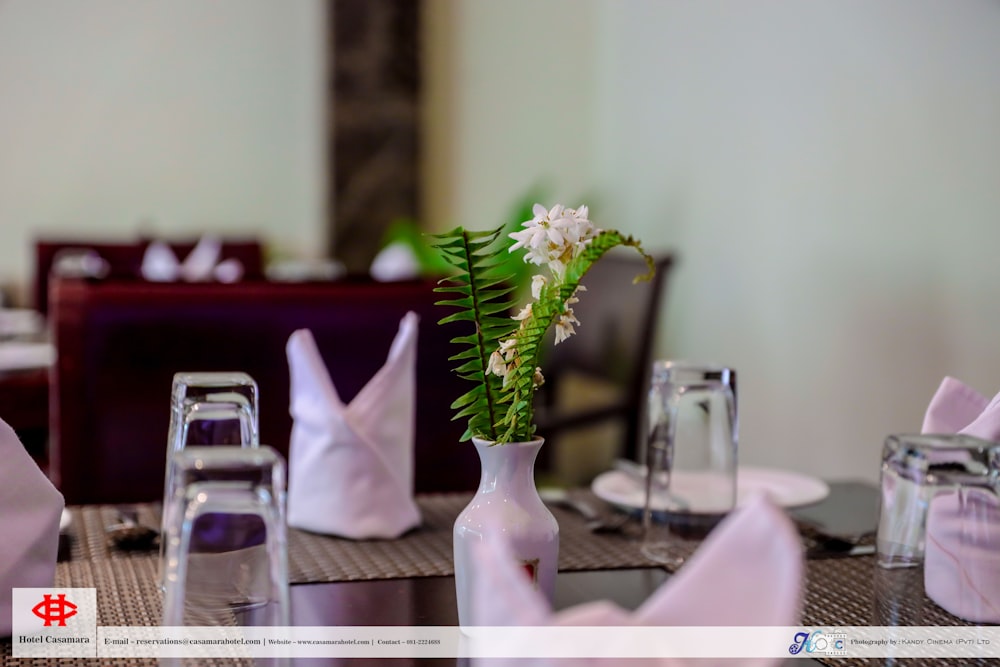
x=611, y=353
x=119, y=343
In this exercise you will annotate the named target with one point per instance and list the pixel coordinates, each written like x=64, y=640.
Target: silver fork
x=596, y=522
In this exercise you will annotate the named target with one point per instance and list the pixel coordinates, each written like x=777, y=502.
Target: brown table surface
x=407, y=581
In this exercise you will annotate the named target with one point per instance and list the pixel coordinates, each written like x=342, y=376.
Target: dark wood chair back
x=613, y=344
x=120, y=342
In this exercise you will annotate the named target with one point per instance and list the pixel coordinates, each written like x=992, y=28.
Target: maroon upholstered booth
x=124, y=258
x=120, y=342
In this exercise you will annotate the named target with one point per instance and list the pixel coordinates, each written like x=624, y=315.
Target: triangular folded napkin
x=961, y=567
x=749, y=572
x=350, y=470
x=30, y=510
x=160, y=264
x=958, y=408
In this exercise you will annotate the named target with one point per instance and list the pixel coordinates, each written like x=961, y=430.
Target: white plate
x=785, y=488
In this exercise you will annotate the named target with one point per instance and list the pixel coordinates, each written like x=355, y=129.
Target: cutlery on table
x=824, y=545
x=596, y=522
x=128, y=534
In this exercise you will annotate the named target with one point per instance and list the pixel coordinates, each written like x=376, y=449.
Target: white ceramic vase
x=506, y=506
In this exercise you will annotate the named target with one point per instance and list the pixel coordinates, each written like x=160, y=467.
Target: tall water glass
x=690, y=456
x=208, y=408
x=226, y=536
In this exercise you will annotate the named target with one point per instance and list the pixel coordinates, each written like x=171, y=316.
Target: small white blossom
x=524, y=314
x=537, y=283
x=558, y=269
x=564, y=325
x=497, y=364
x=508, y=349
x=538, y=379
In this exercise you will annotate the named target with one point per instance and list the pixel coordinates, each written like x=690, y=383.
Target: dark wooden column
x=374, y=89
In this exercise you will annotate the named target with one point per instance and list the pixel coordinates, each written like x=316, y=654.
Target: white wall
x=829, y=172
x=170, y=117
x=509, y=106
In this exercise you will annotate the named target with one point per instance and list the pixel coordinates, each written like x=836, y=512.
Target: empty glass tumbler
x=208, y=408
x=916, y=470
x=940, y=516
x=690, y=455
x=226, y=548
x=232, y=387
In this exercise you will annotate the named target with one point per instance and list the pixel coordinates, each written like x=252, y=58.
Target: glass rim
x=938, y=441
x=213, y=378
x=685, y=373
x=223, y=456
x=684, y=365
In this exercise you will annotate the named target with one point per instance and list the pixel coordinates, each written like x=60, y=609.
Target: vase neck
x=510, y=466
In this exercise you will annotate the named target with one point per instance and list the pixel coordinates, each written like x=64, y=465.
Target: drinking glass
x=940, y=521
x=690, y=455
x=225, y=386
x=916, y=469
x=226, y=548
x=207, y=408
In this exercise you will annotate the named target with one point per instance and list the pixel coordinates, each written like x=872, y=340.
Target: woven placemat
x=425, y=551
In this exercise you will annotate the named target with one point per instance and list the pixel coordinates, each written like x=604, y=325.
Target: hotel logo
x=50, y=610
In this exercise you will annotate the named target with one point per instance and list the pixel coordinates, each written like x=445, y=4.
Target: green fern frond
x=482, y=296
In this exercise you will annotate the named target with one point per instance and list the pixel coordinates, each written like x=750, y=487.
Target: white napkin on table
x=961, y=565
x=395, y=262
x=30, y=510
x=160, y=264
x=350, y=470
x=958, y=408
x=749, y=572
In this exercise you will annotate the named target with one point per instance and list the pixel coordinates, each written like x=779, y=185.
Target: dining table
x=409, y=581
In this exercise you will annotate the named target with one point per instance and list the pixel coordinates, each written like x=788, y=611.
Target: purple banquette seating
x=119, y=342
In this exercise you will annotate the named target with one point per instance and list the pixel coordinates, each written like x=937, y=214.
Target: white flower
x=554, y=236
x=497, y=364
x=538, y=379
x=564, y=325
x=524, y=314
x=558, y=269
x=508, y=349
x=534, y=236
x=573, y=299
x=537, y=283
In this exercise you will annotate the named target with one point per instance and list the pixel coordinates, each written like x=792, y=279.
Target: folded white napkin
x=350, y=469
x=749, y=572
x=30, y=510
x=160, y=264
x=961, y=567
x=958, y=408
x=395, y=262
